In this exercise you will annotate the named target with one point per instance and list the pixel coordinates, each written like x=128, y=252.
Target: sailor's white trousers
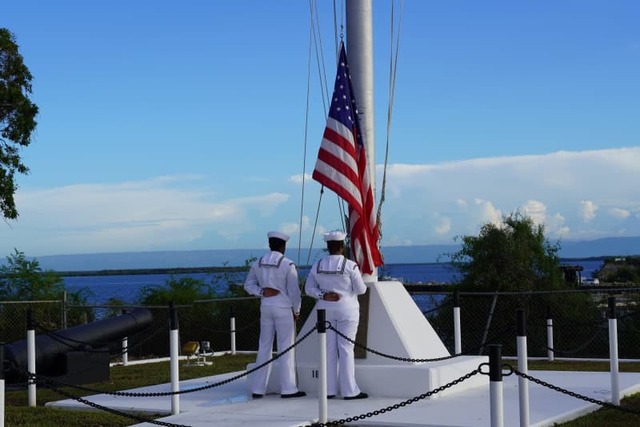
x=278, y=322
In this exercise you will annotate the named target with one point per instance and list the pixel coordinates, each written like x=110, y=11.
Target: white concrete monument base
x=397, y=327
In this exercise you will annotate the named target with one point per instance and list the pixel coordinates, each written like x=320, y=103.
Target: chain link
x=48, y=381
x=388, y=356
x=574, y=394
x=397, y=405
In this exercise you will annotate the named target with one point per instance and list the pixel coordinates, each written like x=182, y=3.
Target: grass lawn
x=18, y=414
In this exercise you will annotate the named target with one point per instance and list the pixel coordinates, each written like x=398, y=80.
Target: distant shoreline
x=236, y=269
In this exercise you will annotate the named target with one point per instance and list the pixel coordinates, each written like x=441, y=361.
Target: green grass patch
x=19, y=414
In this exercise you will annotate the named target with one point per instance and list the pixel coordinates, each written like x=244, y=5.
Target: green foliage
x=184, y=290
x=23, y=280
x=511, y=256
x=502, y=270
x=620, y=270
x=204, y=308
x=17, y=119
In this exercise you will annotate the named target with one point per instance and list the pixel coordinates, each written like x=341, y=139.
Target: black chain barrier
x=48, y=380
x=388, y=356
x=397, y=405
x=573, y=394
x=570, y=352
x=403, y=359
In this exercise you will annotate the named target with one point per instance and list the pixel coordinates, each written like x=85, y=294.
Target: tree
x=23, y=280
x=502, y=270
x=513, y=255
x=17, y=119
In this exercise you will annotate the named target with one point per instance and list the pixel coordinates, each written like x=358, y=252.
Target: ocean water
x=127, y=288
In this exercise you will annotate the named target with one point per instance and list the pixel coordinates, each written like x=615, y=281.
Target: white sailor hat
x=277, y=235
x=334, y=236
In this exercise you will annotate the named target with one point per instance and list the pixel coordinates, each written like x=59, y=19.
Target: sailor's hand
x=269, y=292
x=331, y=296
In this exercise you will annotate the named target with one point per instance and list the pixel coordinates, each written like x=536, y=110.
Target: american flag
x=342, y=167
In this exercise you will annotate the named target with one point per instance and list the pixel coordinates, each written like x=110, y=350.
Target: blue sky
x=170, y=125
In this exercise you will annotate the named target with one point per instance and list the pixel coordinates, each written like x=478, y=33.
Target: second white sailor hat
x=335, y=236
x=277, y=235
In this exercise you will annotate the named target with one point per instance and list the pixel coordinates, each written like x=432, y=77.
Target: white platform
x=230, y=406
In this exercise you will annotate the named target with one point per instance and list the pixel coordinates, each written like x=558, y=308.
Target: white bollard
x=2, y=397
x=523, y=366
x=323, y=412
x=2, y=402
x=495, y=386
x=174, y=344
x=613, y=352
x=232, y=321
x=31, y=359
x=125, y=351
x=550, y=354
x=457, y=330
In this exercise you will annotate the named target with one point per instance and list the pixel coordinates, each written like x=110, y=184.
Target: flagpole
x=360, y=51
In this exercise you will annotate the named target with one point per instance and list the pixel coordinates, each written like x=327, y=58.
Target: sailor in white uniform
x=274, y=278
x=336, y=282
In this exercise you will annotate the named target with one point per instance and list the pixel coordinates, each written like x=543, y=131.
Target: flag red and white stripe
x=342, y=167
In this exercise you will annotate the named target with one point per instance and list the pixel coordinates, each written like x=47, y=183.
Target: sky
x=168, y=125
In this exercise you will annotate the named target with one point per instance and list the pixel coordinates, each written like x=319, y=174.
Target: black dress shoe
x=359, y=396
x=331, y=396
x=256, y=395
x=296, y=394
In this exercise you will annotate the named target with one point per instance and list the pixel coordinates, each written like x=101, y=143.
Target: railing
x=575, y=320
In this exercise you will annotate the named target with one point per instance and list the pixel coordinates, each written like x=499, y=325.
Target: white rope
x=393, y=69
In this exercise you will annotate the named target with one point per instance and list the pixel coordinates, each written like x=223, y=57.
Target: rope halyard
x=393, y=72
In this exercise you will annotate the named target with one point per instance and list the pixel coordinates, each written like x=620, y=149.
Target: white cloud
x=444, y=227
x=425, y=204
x=299, y=179
x=488, y=212
x=588, y=210
x=154, y=214
x=619, y=213
x=547, y=187
x=536, y=210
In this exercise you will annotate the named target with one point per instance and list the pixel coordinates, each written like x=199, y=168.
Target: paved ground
x=230, y=406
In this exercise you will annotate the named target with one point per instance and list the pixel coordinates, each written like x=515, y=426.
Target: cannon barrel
x=83, y=337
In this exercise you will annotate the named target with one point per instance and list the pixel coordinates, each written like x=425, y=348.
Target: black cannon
x=76, y=355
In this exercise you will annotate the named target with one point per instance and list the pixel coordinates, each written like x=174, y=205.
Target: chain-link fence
x=579, y=321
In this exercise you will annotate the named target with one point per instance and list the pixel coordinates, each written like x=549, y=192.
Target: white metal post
x=31, y=359
x=523, y=366
x=457, y=331
x=322, y=368
x=125, y=351
x=2, y=397
x=613, y=352
x=550, y=354
x=174, y=341
x=232, y=325
x=495, y=386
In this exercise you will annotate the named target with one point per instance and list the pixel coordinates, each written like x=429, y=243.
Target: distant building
x=572, y=273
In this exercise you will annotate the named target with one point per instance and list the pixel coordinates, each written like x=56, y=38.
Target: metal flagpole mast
x=360, y=53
